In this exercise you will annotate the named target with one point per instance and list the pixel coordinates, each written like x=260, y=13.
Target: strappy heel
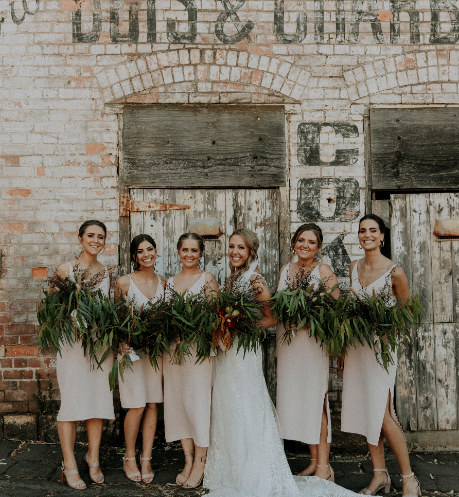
x=130, y=475
x=146, y=476
x=332, y=473
x=76, y=485
x=192, y=484
x=418, y=486
x=385, y=486
x=99, y=477
x=180, y=480
x=310, y=474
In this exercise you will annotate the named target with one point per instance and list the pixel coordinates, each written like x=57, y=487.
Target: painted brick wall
x=67, y=67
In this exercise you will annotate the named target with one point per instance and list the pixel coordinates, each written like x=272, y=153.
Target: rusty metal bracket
x=127, y=205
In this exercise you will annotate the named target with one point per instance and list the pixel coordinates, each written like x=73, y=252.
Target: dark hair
x=136, y=241
x=92, y=222
x=377, y=219
x=191, y=236
x=307, y=227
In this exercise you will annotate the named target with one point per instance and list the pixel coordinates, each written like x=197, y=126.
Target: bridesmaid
x=302, y=366
x=188, y=386
x=142, y=387
x=368, y=389
x=84, y=388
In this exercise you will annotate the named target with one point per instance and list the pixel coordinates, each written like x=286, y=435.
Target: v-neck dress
x=187, y=389
x=143, y=384
x=84, y=388
x=302, y=380
x=366, y=384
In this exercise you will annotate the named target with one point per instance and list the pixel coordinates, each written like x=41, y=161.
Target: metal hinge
x=127, y=205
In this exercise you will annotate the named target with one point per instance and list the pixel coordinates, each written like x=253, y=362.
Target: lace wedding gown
x=246, y=456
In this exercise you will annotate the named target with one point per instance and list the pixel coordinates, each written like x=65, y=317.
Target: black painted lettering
x=436, y=6
x=319, y=21
x=358, y=16
x=190, y=36
x=27, y=11
x=396, y=7
x=340, y=22
x=301, y=25
x=151, y=21
x=230, y=14
x=347, y=199
x=133, y=34
x=309, y=144
x=339, y=258
x=77, y=35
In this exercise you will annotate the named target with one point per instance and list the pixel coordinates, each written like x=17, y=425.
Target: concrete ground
x=31, y=469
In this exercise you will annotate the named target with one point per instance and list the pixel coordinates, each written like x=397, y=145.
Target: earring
x=382, y=243
x=360, y=247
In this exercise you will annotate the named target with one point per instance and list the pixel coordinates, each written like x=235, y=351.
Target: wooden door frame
x=284, y=193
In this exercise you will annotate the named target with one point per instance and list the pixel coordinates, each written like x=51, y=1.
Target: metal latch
x=447, y=229
x=127, y=205
x=209, y=229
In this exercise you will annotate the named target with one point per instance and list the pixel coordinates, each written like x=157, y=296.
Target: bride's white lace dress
x=246, y=456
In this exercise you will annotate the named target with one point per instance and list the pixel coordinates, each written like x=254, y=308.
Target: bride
x=246, y=456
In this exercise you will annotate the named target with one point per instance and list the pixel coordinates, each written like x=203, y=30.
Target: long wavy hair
x=252, y=242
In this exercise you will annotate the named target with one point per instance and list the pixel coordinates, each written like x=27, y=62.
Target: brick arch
x=198, y=71
x=412, y=69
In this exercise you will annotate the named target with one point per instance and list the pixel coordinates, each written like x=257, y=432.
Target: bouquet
x=304, y=301
x=64, y=312
x=384, y=325
x=188, y=325
x=237, y=313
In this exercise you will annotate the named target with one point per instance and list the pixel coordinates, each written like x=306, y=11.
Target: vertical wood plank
x=405, y=385
x=425, y=378
x=442, y=284
x=136, y=222
x=445, y=371
x=454, y=207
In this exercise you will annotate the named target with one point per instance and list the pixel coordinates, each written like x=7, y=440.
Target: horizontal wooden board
x=204, y=146
x=414, y=149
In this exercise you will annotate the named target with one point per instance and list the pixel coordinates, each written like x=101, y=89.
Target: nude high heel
x=130, y=475
x=99, y=478
x=146, y=476
x=192, y=484
x=180, y=480
x=76, y=485
x=418, y=487
x=332, y=473
x=385, y=486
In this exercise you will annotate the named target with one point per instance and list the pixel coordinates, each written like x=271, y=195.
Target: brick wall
x=67, y=68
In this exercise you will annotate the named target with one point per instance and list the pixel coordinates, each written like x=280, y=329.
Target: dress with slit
x=187, y=388
x=143, y=384
x=246, y=456
x=302, y=379
x=84, y=388
x=367, y=386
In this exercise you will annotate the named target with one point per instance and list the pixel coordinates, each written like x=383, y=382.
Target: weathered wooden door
x=427, y=379
x=257, y=210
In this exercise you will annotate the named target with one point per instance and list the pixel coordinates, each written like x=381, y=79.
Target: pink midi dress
x=302, y=380
x=143, y=384
x=187, y=389
x=366, y=384
x=84, y=388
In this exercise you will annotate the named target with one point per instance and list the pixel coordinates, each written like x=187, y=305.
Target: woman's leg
x=94, y=429
x=188, y=449
x=67, y=436
x=323, y=449
x=311, y=469
x=199, y=464
x=148, y=437
x=131, y=430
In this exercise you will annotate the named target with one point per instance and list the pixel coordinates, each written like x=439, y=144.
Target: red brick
x=11, y=160
x=95, y=148
x=39, y=272
x=18, y=374
x=2, y=306
x=5, y=318
x=29, y=385
x=16, y=396
x=19, y=192
x=20, y=363
x=5, y=227
x=6, y=363
x=10, y=340
x=22, y=351
x=20, y=329
x=18, y=227
x=68, y=5
x=5, y=385
x=20, y=406
x=33, y=362
x=28, y=340
x=40, y=171
x=6, y=407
